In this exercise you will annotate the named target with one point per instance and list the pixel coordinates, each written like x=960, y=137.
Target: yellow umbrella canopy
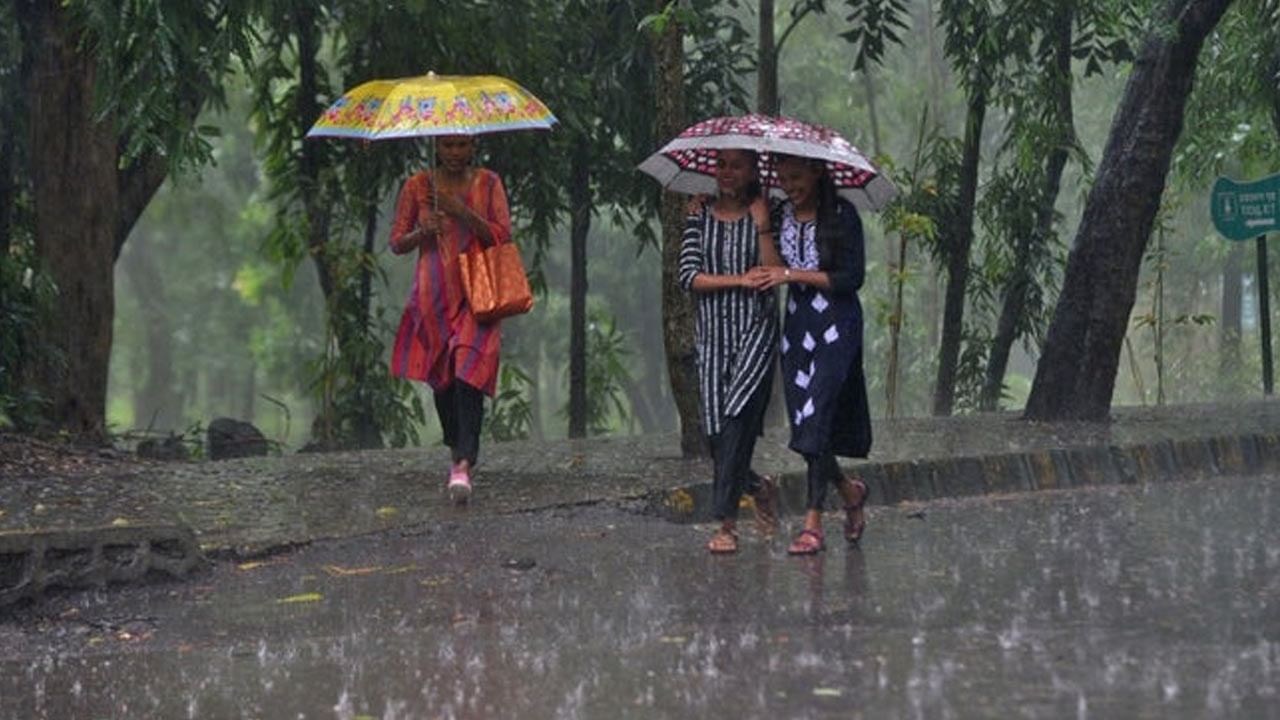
x=430, y=105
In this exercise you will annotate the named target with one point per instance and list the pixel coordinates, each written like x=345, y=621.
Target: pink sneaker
x=459, y=484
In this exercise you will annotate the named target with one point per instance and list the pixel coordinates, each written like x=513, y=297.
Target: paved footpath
x=161, y=518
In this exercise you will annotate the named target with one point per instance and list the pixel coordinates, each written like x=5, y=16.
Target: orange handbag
x=495, y=282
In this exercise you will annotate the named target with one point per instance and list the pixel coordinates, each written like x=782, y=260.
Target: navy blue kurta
x=823, y=379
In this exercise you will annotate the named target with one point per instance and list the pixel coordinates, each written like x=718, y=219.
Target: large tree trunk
x=677, y=307
x=958, y=241
x=580, y=226
x=1076, y=375
x=73, y=161
x=1012, y=312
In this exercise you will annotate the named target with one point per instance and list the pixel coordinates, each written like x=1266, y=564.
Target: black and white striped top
x=736, y=329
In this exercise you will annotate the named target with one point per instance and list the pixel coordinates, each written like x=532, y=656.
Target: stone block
x=1194, y=459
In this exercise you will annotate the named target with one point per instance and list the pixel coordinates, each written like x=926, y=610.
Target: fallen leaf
x=672, y=639
x=337, y=571
x=827, y=692
x=303, y=598
x=385, y=511
x=680, y=501
x=120, y=522
x=400, y=570
x=252, y=565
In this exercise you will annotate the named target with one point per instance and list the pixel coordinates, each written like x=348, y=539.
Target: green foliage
x=875, y=26
x=1233, y=117
x=510, y=415
x=360, y=402
x=607, y=374
x=159, y=63
x=24, y=295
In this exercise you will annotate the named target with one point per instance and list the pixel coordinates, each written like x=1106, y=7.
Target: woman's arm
x=764, y=226
x=406, y=233
x=692, y=262
x=494, y=226
x=765, y=277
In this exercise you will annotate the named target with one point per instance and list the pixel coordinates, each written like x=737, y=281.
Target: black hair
x=829, y=233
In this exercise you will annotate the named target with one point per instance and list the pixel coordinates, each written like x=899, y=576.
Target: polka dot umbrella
x=688, y=163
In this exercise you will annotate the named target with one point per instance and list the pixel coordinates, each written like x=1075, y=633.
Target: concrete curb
x=900, y=481
x=32, y=561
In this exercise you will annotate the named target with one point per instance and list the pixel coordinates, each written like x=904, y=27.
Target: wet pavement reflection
x=1120, y=602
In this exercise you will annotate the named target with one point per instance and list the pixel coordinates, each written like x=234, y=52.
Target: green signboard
x=1243, y=211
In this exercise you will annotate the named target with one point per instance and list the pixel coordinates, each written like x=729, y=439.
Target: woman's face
x=799, y=180
x=735, y=171
x=454, y=152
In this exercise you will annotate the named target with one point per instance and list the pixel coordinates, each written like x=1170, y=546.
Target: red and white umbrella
x=688, y=163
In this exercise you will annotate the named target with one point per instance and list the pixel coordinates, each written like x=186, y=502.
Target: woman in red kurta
x=439, y=341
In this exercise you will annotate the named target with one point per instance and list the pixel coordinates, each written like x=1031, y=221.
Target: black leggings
x=460, y=408
x=732, y=448
x=823, y=471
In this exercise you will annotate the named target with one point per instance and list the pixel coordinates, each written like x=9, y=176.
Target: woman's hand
x=432, y=223
x=764, y=277
x=448, y=204
x=761, y=277
x=696, y=203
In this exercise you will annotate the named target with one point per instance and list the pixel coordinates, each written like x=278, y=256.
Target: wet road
x=1159, y=601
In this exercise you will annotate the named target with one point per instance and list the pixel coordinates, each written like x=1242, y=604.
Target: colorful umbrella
x=430, y=105
x=688, y=163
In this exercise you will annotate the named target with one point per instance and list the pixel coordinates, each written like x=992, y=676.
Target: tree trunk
x=766, y=63
x=1231, y=329
x=677, y=307
x=580, y=226
x=73, y=162
x=155, y=404
x=1013, y=309
x=959, y=239
x=1076, y=375
x=138, y=183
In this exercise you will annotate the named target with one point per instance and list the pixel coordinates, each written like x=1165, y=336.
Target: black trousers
x=731, y=450
x=460, y=408
x=823, y=471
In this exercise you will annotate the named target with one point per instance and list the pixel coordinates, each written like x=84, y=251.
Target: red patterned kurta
x=439, y=339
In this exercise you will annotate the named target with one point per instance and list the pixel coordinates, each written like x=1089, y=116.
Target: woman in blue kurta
x=819, y=239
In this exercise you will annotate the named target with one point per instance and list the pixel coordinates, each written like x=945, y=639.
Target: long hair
x=829, y=233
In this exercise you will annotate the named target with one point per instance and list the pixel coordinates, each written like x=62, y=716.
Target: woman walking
x=442, y=213
x=736, y=333
x=823, y=262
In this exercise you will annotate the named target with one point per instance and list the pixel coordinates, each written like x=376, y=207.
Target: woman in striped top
x=736, y=333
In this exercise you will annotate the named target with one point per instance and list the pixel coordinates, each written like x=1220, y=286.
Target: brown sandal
x=724, y=542
x=855, y=520
x=766, y=506
x=808, y=542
